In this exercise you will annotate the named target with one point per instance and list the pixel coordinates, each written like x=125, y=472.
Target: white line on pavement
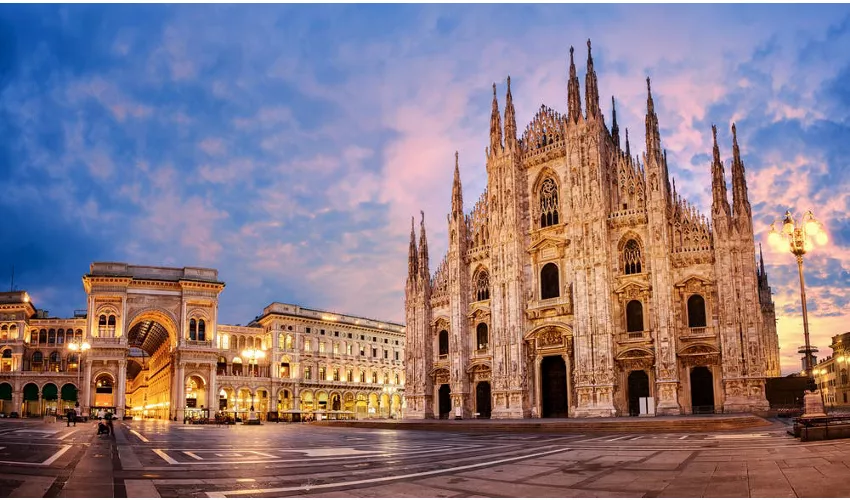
x=619, y=438
x=165, y=457
x=138, y=435
x=56, y=455
x=66, y=435
x=224, y=494
x=196, y=457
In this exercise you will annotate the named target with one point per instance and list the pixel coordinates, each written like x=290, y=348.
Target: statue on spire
x=591, y=87
x=573, y=97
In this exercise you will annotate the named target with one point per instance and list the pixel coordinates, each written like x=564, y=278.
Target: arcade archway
x=150, y=371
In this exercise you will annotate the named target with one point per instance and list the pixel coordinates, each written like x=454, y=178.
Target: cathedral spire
x=628, y=150
x=761, y=263
x=720, y=200
x=510, y=119
x=591, y=87
x=740, y=201
x=653, y=137
x=424, y=272
x=457, y=192
x=573, y=97
x=412, y=264
x=495, y=126
x=615, y=130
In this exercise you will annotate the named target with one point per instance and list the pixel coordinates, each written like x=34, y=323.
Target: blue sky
x=288, y=146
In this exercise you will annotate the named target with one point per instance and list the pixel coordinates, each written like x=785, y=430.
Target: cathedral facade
x=581, y=284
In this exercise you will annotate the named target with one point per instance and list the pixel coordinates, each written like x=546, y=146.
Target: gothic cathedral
x=582, y=285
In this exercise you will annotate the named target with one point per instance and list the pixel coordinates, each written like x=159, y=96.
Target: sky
x=288, y=146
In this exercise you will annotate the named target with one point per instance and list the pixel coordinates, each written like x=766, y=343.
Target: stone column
x=122, y=389
x=86, y=399
x=181, y=391
x=212, y=391
x=538, y=387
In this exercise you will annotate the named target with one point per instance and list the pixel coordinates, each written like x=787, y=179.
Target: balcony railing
x=199, y=343
x=634, y=336
x=106, y=340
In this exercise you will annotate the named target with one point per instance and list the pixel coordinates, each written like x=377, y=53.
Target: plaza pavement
x=167, y=459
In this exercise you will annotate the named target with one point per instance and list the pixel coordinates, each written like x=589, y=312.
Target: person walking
x=110, y=429
x=70, y=414
x=76, y=413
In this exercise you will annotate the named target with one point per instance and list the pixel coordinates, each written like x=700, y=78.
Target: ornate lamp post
x=800, y=238
x=82, y=347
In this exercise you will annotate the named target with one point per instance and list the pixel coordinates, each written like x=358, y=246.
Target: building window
x=308, y=373
x=386, y=354
x=37, y=361
x=349, y=376
x=202, y=330
x=374, y=377
x=193, y=328
x=549, y=282
x=348, y=349
x=443, y=340
x=374, y=352
x=362, y=376
x=307, y=346
x=336, y=374
x=51, y=336
x=396, y=379
x=396, y=355
x=548, y=203
x=481, y=335
x=634, y=316
x=322, y=373
x=307, y=329
x=60, y=336
x=321, y=347
x=696, y=311
x=631, y=258
x=482, y=286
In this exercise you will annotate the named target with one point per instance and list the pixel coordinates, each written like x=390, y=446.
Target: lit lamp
x=799, y=239
x=253, y=355
x=82, y=347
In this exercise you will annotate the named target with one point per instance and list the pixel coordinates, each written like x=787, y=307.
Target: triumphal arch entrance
x=151, y=332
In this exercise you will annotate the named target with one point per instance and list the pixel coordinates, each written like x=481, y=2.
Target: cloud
x=289, y=145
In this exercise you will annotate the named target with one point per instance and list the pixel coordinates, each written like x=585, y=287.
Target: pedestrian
x=69, y=413
x=108, y=416
x=76, y=413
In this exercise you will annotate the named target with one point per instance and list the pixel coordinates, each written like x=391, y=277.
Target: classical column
x=212, y=390
x=85, y=400
x=122, y=389
x=181, y=391
x=296, y=397
x=569, y=385
x=538, y=387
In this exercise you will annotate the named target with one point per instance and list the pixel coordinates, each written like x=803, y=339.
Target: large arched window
x=193, y=329
x=55, y=362
x=548, y=203
x=482, y=286
x=4, y=332
x=51, y=336
x=37, y=361
x=111, y=321
x=202, y=330
x=60, y=336
x=42, y=336
x=696, y=311
x=631, y=258
x=444, y=342
x=482, y=335
x=634, y=316
x=549, y=282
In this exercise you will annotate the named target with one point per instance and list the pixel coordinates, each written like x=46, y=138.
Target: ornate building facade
x=154, y=348
x=581, y=282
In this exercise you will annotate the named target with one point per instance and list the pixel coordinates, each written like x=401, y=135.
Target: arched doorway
x=104, y=391
x=151, y=337
x=483, y=399
x=68, y=396
x=445, y=401
x=702, y=390
x=6, y=399
x=31, y=400
x=49, y=399
x=361, y=407
x=553, y=392
x=638, y=388
x=196, y=392
x=336, y=403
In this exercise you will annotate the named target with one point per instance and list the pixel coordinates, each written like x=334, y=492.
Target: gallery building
x=149, y=344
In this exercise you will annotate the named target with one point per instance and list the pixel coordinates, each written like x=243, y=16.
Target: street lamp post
x=800, y=239
x=82, y=347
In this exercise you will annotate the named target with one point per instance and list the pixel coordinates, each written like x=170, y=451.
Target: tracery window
x=444, y=342
x=631, y=258
x=482, y=335
x=193, y=329
x=634, y=316
x=482, y=286
x=696, y=311
x=549, y=282
x=202, y=330
x=548, y=203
